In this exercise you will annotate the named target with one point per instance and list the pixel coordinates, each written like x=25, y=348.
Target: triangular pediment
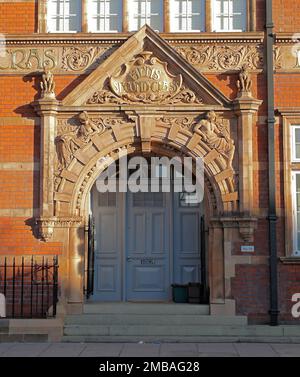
x=145, y=70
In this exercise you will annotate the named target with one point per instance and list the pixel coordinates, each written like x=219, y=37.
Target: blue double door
x=144, y=242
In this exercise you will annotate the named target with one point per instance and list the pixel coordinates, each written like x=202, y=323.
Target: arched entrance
x=118, y=107
x=146, y=241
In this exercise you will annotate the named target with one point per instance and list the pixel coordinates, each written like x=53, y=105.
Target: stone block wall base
x=35, y=328
x=225, y=308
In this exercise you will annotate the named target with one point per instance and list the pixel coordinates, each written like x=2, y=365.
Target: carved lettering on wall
x=24, y=59
x=216, y=134
x=145, y=79
x=220, y=58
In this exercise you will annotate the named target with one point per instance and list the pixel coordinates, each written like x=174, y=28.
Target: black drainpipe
x=272, y=217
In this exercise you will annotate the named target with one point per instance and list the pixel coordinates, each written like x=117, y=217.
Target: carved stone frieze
x=185, y=123
x=223, y=58
x=77, y=59
x=57, y=59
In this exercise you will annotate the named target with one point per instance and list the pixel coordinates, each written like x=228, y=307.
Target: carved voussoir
x=215, y=133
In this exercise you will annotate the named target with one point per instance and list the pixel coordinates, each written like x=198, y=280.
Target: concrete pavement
x=149, y=350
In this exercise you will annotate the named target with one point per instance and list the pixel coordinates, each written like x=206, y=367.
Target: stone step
x=182, y=339
x=153, y=319
x=145, y=308
x=173, y=330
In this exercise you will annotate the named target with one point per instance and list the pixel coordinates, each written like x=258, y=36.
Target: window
x=296, y=143
x=296, y=211
x=63, y=16
x=143, y=12
x=187, y=15
x=229, y=15
x=105, y=15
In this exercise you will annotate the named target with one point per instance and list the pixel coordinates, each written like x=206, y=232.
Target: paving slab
x=286, y=350
x=102, y=350
x=140, y=350
x=178, y=350
x=217, y=349
x=64, y=350
x=255, y=350
x=4, y=347
x=25, y=350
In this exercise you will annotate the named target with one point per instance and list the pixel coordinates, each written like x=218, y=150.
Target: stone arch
x=77, y=179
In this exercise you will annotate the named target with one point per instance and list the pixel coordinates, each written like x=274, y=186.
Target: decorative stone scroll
x=216, y=134
x=78, y=59
x=220, y=58
x=145, y=80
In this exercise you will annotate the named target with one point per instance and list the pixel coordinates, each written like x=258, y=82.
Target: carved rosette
x=46, y=225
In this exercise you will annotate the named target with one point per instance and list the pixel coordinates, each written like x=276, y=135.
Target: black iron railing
x=30, y=286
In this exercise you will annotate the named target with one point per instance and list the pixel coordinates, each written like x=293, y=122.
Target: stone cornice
x=117, y=39
x=285, y=38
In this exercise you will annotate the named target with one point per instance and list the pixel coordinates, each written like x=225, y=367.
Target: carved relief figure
x=216, y=135
x=47, y=85
x=244, y=83
x=68, y=143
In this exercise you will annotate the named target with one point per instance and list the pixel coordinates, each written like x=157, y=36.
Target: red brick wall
x=286, y=14
x=18, y=17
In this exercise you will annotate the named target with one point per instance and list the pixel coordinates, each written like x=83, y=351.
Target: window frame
x=295, y=250
x=293, y=143
x=119, y=22
x=289, y=119
x=201, y=16
x=147, y=16
x=214, y=17
x=78, y=21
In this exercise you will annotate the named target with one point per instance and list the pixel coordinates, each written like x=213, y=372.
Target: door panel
x=147, y=266
x=108, y=246
x=187, y=239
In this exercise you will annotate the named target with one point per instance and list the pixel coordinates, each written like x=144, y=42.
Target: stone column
x=125, y=16
x=167, y=16
x=208, y=16
x=84, y=17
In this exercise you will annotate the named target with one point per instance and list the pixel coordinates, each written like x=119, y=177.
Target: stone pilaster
x=246, y=107
x=47, y=110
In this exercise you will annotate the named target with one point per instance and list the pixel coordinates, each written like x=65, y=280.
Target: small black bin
x=180, y=293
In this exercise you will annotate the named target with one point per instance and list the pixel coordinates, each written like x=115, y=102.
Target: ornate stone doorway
x=146, y=98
